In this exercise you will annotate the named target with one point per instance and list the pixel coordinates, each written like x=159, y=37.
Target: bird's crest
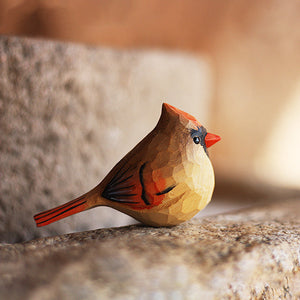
x=173, y=110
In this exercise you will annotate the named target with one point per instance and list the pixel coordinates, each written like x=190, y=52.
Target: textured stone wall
x=68, y=113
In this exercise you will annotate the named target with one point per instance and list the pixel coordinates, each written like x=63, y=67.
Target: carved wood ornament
x=164, y=180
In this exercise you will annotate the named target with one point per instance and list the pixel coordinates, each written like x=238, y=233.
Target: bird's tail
x=70, y=208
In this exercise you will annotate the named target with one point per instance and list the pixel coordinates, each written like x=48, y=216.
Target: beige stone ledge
x=249, y=254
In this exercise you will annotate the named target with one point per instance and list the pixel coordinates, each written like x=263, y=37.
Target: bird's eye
x=196, y=140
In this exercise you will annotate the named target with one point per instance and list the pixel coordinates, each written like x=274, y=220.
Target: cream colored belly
x=185, y=200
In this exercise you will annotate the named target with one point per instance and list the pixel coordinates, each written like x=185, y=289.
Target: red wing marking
x=136, y=189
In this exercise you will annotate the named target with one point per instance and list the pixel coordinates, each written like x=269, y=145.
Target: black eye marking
x=198, y=135
x=196, y=139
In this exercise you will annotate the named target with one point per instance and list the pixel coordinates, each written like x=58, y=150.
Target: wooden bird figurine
x=164, y=180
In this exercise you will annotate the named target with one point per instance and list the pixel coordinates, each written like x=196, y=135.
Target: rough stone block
x=68, y=113
x=250, y=254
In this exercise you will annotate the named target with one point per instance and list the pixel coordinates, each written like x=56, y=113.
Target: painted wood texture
x=164, y=180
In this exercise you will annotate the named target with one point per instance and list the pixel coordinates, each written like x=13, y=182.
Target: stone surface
x=250, y=254
x=68, y=113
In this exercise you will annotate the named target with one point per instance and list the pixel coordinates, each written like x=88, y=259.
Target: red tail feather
x=60, y=212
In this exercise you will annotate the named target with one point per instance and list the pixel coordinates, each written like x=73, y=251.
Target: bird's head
x=184, y=130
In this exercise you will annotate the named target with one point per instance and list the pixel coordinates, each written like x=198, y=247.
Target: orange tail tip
x=62, y=211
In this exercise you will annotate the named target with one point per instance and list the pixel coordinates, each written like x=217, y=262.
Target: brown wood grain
x=163, y=181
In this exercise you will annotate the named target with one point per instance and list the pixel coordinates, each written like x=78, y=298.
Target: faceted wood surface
x=165, y=180
x=171, y=160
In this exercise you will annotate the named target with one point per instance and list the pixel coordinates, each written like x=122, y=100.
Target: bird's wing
x=136, y=188
x=123, y=187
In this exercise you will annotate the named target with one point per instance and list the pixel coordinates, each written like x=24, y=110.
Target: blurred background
x=249, y=51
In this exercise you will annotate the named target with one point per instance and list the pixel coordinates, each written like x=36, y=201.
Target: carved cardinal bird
x=164, y=180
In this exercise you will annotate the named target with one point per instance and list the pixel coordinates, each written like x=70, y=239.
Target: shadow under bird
x=164, y=180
